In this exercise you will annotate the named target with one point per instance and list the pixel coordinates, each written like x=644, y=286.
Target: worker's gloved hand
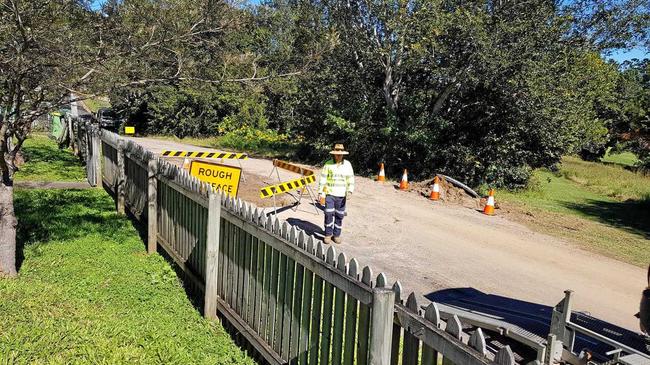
x=348, y=196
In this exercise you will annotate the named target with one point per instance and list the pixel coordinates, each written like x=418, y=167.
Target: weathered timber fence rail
x=87, y=148
x=294, y=300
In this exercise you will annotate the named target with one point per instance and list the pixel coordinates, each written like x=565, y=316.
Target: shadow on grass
x=47, y=160
x=46, y=216
x=59, y=215
x=47, y=153
x=632, y=215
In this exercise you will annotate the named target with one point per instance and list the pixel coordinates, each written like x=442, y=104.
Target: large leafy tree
x=482, y=90
x=630, y=125
x=50, y=49
x=44, y=54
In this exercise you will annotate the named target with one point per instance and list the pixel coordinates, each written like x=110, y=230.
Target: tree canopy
x=484, y=91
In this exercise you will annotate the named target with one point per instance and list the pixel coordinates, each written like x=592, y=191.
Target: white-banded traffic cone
x=435, y=193
x=489, y=206
x=404, y=184
x=382, y=175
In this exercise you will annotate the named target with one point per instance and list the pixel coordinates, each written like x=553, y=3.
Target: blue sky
x=621, y=56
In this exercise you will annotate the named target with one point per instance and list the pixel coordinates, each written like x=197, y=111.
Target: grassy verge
x=88, y=293
x=44, y=161
x=259, y=146
x=603, y=208
x=623, y=158
x=95, y=104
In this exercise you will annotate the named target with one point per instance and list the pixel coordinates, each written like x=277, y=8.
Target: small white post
x=96, y=153
x=560, y=317
x=212, y=256
x=121, y=179
x=383, y=301
x=152, y=212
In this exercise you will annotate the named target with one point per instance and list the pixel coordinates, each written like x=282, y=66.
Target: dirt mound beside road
x=448, y=193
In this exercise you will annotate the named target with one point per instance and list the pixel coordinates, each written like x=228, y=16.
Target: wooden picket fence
x=293, y=299
x=86, y=142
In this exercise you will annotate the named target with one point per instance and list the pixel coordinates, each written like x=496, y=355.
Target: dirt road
x=431, y=246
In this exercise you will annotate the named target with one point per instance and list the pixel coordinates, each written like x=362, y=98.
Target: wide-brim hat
x=339, y=150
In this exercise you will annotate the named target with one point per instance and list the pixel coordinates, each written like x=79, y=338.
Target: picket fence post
x=121, y=180
x=212, y=255
x=152, y=200
x=98, y=157
x=381, y=330
x=96, y=161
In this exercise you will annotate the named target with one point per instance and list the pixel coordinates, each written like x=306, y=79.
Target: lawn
x=623, y=158
x=44, y=161
x=605, y=208
x=87, y=292
x=255, y=145
x=94, y=104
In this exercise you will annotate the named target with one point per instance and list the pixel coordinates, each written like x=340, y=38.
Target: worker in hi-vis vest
x=336, y=184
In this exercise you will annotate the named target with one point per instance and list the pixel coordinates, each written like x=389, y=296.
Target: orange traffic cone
x=321, y=199
x=435, y=193
x=489, y=206
x=186, y=164
x=404, y=184
x=382, y=174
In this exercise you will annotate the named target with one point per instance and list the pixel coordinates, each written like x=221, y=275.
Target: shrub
x=257, y=140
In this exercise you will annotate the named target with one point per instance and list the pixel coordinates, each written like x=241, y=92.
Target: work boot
x=328, y=240
x=338, y=240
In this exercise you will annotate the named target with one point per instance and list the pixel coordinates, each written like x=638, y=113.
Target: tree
x=44, y=55
x=630, y=126
x=485, y=91
x=52, y=48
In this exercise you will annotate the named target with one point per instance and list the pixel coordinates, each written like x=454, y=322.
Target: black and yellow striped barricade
x=208, y=154
x=302, y=183
x=271, y=190
x=290, y=167
x=205, y=154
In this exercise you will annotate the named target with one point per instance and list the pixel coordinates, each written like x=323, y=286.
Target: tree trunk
x=8, y=224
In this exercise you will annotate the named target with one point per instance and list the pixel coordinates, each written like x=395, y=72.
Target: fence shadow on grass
x=45, y=159
x=60, y=215
x=632, y=215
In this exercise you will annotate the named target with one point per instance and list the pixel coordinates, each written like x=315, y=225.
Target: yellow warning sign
x=221, y=177
x=129, y=130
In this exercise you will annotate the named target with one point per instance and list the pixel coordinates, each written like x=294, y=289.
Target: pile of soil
x=448, y=193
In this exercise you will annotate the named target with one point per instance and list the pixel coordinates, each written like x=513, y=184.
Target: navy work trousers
x=334, y=213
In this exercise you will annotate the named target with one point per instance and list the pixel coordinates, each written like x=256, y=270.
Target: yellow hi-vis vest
x=336, y=179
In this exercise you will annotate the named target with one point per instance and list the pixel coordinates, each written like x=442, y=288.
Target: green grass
x=44, y=161
x=96, y=103
x=623, y=159
x=251, y=145
x=602, y=207
x=608, y=180
x=88, y=293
